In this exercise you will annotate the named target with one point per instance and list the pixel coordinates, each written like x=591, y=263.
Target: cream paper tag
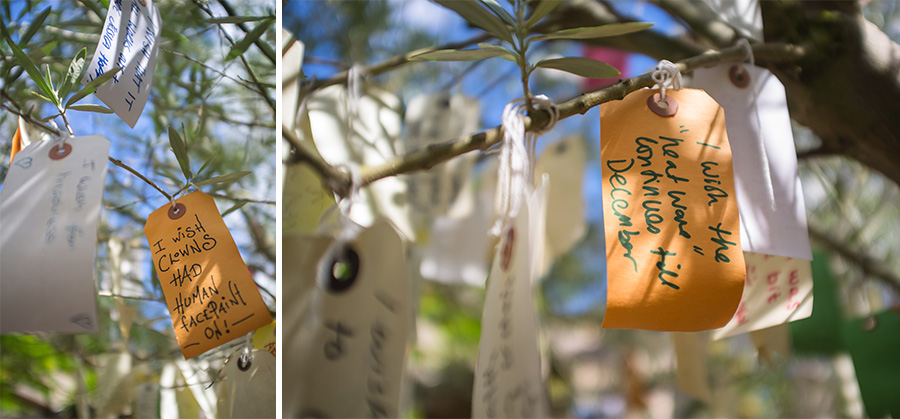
x=347, y=328
x=49, y=210
x=565, y=162
x=432, y=119
x=115, y=384
x=129, y=39
x=247, y=390
x=777, y=290
x=778, y=229
x=375, y=130
x=691, y=357
x=508, y=371
x=771, y=342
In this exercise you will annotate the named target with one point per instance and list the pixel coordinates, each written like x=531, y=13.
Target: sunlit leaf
x=458, y=55
x=236, y=19
x=500, y=12
x=32, y=70
x=180, y=150
x=91, y=108
x=472, y=12
x=613, y=29
x=543, y=8
x=73, y=74
x=240, y=47
x=93, y=85
x=231, y=177
x=34, y=27
x=503, y=52
x=584, y=67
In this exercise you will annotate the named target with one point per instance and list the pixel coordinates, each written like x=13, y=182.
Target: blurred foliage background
x=226, y=108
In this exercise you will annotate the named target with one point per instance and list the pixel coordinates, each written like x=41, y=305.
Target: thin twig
x=119, y=163
x=865, y=262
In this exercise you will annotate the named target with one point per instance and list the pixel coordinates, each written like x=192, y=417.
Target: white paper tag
x=458, y=249
x=345, y=341
x=432, y=119
x=247, y=390
x=508, y=371
x=565, y=162
x=115, y=384
x=49, y=210
x=778, y=290
x=780, y=230
x=130, y=39
x=376, y=128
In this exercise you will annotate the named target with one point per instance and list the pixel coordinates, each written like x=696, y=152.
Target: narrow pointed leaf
x=73, y=74
x=206, y=164
x=236, y=19
x=456, y=55
x=543, y=8
x=240, y=47
x=503, y=52
x=231, y=177
x=47, y=48
x=32, y=70
x=613, y=29
x=478, y=16
x=234, y=208
x=180, y=150
x=93, y=85
x=500, y=12
x=34, y=27
x=38, y=94
x=49, y=80
x=584, y=67
x=90, y=108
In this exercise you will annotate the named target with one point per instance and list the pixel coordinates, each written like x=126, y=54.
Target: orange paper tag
x=211, y=296
x=673, y=246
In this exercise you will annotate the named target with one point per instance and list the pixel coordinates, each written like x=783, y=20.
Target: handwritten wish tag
x=347, y=327
x=130, y=40
x=247, y=389
x=508, y=371
x=670, y=215
x=765, y=161
x=49, y=210
x=778, y=290
x=211, y=296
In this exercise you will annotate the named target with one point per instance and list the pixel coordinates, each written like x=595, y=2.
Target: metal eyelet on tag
x=177, y=211
x=342, y=271
x=739, y=76
x=244, y=362
x=653, y=102
x=57, y=153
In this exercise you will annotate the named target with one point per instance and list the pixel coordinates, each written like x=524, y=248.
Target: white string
x=761, y=144
x=517, y=149
x=667, y=76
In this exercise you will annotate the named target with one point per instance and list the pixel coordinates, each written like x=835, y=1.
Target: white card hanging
x=508, y=370
x=765, y=161
x=292, y=66
x=375, y=128
x=115, y=384
x=247, y=386
x=743, y=15
x=347, y=328
x=432, y=119
x=777, y=290
x=458, y=247
x=49, y=210
x=691, y=358
x=565, y=162
x=130, y=40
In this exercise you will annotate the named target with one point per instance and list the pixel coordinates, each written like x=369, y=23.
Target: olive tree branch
x=423, y=159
